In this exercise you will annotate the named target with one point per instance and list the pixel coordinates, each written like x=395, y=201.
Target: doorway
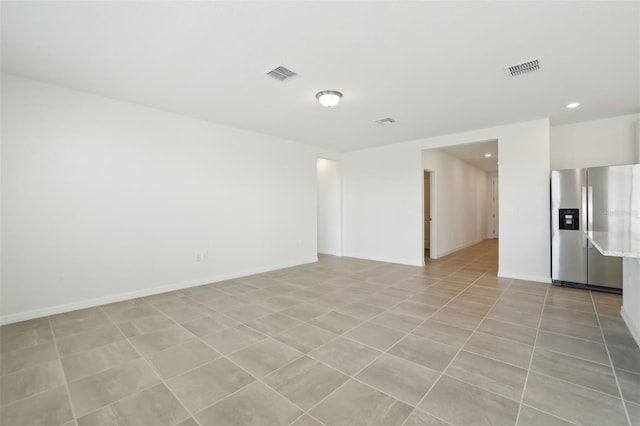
x=427, y=214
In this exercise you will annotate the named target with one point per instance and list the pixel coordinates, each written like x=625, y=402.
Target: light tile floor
x=340, y=342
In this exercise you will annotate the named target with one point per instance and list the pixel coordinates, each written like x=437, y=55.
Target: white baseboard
x=525, y=277
x=330, y=252
x=89, y=303
x=438, y=255
x=400, y=261
x=635, y=332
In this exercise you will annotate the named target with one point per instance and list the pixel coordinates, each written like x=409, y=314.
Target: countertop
x=619, y=244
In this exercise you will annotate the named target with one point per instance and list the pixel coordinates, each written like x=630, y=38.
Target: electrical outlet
x=202, y=256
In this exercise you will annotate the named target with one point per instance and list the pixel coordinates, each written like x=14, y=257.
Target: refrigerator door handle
x=583, y=218
x=590, y=214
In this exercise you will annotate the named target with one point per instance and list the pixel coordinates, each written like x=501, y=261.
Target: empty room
x=310, y=213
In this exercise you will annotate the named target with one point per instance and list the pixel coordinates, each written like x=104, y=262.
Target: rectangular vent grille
x=384, y=121
x=281, y=73
x=523, y=68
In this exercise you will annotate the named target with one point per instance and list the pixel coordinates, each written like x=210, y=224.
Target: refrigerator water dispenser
x=569, y=219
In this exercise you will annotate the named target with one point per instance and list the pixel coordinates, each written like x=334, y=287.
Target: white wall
x=382, y=190
x=329, y=207
x=594, y=143
x=459, y=214
x=493, y=202
x=104, y=200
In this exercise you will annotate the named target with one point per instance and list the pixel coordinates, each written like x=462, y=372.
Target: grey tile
x=418, y=310
x=532, y=417
x=38, y=324
x=634, y=413
x=130, y=313
x=404, y=380
x=577, y=317
x=580, y=331
x=579, y=405
x=13, y=361
x=619, y=337
x=264, y=357
x=305, y=311
x=630, y=385
x=188, y=422
x=470, y=307
x=305, y=337
x=28, y=382
x=495, y=376
x=457, y=318
x=305, y=381
x=425, y=352
x=360, y=310
x=156, y=341
x=183, y=357
x=420, y=418
x=44, y=409
x=277, y=303
x=213, y=323
x=247, y=313
x=80, y=325
x=93, y=392
x=515, y=332
x=625, y=357
x=443, y=333
x=569, y=303
x=144, y=325
x=274, y=324
x=336, y=322
x=500, y=349
x=189, y=313
x=397, y=321
x=356, y=404
x=378, y=336
x=461, y=404
x=85, y=341
x=306, y=421
x=256, y=404
x=591, y=351
x=89, y=362
x=515, y=317
x=153, y=406
x=437, y=300
x=345, y=355
x=29, y=338
x=206, y=385
x=581, y=372
x=233, y=339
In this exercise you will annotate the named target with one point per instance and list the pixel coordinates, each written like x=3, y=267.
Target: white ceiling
x=435, y=67
x=474, y=154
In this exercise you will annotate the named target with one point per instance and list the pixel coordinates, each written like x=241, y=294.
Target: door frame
x=433, y=213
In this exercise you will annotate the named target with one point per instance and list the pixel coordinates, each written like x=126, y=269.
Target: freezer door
x=610, y=193
x=568, y=246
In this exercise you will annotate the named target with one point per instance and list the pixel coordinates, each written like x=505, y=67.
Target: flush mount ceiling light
x=487, y=155
x=328, y=98
x=573, y=105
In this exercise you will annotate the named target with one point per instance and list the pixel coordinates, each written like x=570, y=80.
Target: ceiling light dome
x=329, y=98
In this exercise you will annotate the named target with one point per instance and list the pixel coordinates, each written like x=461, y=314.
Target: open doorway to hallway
x=461, y=205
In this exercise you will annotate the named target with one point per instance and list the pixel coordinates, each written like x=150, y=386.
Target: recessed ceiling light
x=487, y=155
x=329, y=98
x=573, y=105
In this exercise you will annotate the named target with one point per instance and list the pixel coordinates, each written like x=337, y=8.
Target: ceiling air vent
x=384, y=121
x=281, y=73
x=523, y=68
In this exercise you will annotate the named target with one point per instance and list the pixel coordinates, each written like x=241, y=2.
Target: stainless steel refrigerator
x=591, y=199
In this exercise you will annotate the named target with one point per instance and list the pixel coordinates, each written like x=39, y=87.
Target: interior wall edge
x=98, y=301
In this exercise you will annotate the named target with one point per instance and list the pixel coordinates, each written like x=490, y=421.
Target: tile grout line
x=457, y=353
x=161, y=379
x=64, y=375
x=533, y=352
x=613, y=368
